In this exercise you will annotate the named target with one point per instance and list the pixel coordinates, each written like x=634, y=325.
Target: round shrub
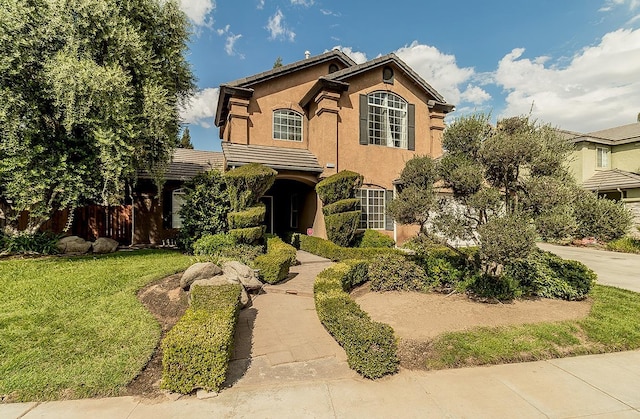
x=373, y=238
x=248, y=235
x=212, y=244
x=396, y=273
x=600, y=217
x=342, y=185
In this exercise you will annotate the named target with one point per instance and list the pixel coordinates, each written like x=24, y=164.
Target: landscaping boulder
x=246, y=275
x=104, y=245
x=200, y=270
x=73, y=244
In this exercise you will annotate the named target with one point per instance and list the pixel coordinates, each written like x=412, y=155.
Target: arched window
x=387, y=119
x=287, y=125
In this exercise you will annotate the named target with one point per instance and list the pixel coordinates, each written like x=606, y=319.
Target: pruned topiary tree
x=337, y=193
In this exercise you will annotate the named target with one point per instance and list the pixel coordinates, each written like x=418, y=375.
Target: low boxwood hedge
x=274, y=265
x=370, y=346
x=251, y=217
x=329, y=250
x=196, y=351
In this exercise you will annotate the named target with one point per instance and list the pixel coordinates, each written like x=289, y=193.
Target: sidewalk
x=285, y=365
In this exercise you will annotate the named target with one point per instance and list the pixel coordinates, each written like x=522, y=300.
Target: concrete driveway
x=620, y=270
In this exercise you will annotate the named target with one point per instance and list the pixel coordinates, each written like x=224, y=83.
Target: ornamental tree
x=89, y=95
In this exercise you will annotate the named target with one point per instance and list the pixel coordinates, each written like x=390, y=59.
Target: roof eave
x=226, y=93
x=323, y=84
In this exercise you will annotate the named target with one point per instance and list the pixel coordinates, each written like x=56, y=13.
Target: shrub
x=501, y=288
x=205, y=208
x=344, y=205
x=396, y=273
x=601, y=218
x=373, y=238
x=341, y=228
x=43, y=243
x=251, y=217
x=624, y=244
x=248, y=235
x=558, y=223
x=196, y=351
x=370, y=346
x=330, y=250
x=274, y=265
x=507, y=238
x=247, y=184
x=342, y=185
x=213, y=244
x=443, y=269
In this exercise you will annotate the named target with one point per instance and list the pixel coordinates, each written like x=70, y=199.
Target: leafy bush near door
x=337, y=193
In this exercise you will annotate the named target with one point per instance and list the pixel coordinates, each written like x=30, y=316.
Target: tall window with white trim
x=177, y=201
x=602, y=157
x=387, y=120
x=287, y=125
x=372, y=205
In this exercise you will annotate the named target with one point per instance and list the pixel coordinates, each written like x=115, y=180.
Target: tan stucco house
x=608, y=162
x=318, y=116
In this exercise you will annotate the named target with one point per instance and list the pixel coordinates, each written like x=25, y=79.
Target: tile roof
x=278, y=158
x=186, y=163
x=623, y=134
x=606, y=180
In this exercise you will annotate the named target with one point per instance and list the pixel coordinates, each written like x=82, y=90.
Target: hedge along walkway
x=279, y=338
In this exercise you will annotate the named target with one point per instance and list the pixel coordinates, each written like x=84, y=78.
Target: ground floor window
x=372, y=205
x=177, y=200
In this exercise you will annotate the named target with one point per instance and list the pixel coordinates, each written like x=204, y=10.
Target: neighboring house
x=608, y=162
x=324, y=114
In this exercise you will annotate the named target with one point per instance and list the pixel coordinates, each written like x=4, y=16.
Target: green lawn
x=612, y=325
x=73, y=327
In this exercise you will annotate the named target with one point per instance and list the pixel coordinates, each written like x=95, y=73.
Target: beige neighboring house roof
x=608, y=180
x=278, y=158
x=186, y=163
x=623, y=134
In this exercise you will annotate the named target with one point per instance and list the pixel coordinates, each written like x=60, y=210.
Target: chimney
x=307, y=54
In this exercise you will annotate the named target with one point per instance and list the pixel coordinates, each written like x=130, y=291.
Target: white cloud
x=441, y=71
x=198, y=11
x=305, y=3
x=277, y=29
x=598, y=89
x=201, y=108
x=230, y=45
x=327, y=12
x=357, y=56
x=224, y=30
x=611, y=4
x=260, y=5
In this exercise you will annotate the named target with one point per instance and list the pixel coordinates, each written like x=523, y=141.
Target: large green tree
x=89, y=95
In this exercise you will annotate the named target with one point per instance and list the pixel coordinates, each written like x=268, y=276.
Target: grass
x=625, y=245
x=73, y=327
x=612, y=325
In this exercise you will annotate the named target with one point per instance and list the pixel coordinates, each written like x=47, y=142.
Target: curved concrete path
x=287, y=366
x=617, y=269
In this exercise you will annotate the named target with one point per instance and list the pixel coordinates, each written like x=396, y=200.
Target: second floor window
x=602, y=159
x=287, y=125
x=388, y=123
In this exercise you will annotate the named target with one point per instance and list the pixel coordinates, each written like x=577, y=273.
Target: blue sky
x=574, y=63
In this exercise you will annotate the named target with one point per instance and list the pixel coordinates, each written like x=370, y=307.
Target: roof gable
x=623, y=134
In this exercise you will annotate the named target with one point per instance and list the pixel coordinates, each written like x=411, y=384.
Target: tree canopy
x=185, y=140
x=89, y=95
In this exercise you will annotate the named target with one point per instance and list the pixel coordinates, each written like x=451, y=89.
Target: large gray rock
x=200, y=270
x=104, y=245
x=73, y=244
x=247, y=276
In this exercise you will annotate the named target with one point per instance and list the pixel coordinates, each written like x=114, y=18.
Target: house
x=324, y=114
x=608, y=163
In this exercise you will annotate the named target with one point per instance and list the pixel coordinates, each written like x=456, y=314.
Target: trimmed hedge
x=196, y=351
x=344, y=205
x=341, y=227
x=274, y=265
x=396, y=273
x=248, y=235
x=342, y=185
x=212, y=244
x=373, y=238
x=251, y=217
x=332, y=251
x=370, y=346
x=246, y=184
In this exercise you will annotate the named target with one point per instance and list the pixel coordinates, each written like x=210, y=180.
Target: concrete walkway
x=287, y=366
x=617, y=269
